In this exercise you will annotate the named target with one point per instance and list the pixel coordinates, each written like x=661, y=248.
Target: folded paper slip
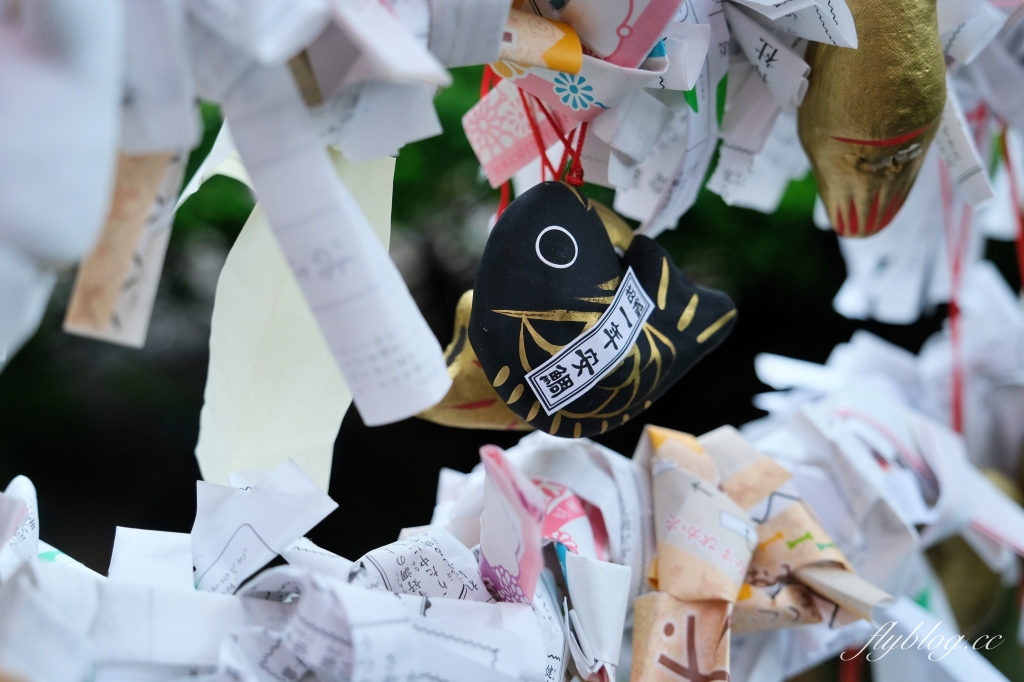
x=500, y=134
x=675, y=639
x=390, y=360
x=597, y=87
x=845, y=588
x=783, y=606
x=624, y=38
x=529, y=40
x=116, y=285
x=792, y=544
x=273, y=390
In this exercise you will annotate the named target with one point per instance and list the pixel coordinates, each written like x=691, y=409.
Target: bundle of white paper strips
x=528, y=570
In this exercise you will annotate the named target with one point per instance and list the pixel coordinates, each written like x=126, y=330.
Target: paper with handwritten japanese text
x=117, y=283
x=236, y=532
x=956, y=144
x=23, y=543
x=389, y=357
x=828, y=22
x=429, y=564
x=776, y=61
x=273, y=390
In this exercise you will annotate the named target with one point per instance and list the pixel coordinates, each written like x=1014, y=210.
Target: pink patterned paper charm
x=500, y=134
x=572, y=522
x=510, y=529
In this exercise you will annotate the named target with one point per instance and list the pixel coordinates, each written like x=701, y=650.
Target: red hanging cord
x=503, y=202
x=545, y=163
x=488, y=81
x=575, y=175
x=1017, y=213
x=956, y=247
x=566, y=150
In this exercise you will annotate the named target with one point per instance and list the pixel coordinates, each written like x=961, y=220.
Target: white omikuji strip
x=386, y=352
x=956, y=144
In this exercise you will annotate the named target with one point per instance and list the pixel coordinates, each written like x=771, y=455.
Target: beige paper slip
x=102, y=275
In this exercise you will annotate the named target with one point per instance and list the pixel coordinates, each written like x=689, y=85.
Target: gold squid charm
x=870, y=113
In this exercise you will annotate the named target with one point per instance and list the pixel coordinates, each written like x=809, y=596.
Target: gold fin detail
x=576, y=193
x=715, y=326
x=517, y=392
x=540, y=340
x=619, y=232
x=556, y=423
x=663, y=285
x=687, y=317
x=502, y=376
x=522, y=351
x=577, y=430
x=533, y=411
x=610, y=285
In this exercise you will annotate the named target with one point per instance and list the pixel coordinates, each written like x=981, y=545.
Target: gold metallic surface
x=663, y=284
x=687, y=317
x=619, y=232
x=870, y=113
x=471, y=402
x=715, y=326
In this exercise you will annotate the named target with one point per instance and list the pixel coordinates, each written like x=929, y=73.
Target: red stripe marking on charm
x=895, y=204
x=854, y=223
x=887, y=142
x=873, y=217
x=841, y=227
x=475, y=406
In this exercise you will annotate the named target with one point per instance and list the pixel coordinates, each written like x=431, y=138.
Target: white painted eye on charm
x=556, y=249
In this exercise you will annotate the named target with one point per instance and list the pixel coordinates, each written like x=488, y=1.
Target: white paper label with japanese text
x=590, y=357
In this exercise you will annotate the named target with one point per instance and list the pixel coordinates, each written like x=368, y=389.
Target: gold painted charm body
x=870, y=113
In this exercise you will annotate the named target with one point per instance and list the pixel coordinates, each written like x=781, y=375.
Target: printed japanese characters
x=550, y=284
x=870, y=113
x=554, y=385
x=106, y=299
x=431, y=564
